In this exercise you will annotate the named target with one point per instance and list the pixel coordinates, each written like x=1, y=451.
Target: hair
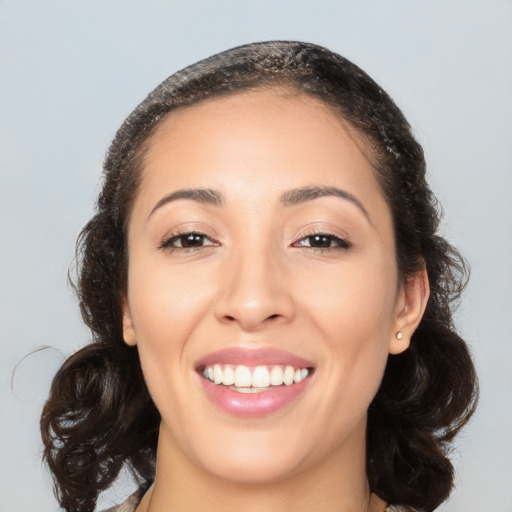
x=99, y=415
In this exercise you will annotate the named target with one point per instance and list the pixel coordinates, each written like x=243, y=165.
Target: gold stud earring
x=399, y=335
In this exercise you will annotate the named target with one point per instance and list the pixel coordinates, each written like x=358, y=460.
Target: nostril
x=231, y=318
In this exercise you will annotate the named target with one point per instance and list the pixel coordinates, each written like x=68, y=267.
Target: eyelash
x=341, y=243
x=168, y=243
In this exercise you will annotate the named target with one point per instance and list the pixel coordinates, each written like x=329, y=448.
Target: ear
x=411, y=304
x=128, y=329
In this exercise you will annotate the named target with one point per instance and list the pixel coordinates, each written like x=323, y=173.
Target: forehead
x=254, y=147
x=287, y=130
x=259, y=107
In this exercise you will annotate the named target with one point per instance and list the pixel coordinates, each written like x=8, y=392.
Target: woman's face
x=261, y=250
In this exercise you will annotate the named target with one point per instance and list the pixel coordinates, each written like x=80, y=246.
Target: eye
x=322, y=242
x=187, y=241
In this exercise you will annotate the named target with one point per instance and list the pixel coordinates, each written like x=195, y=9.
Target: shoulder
x=379, y=505
x=127, y=506
x=131, y=503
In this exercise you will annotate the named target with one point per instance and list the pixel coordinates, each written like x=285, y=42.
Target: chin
x=250, y=456
x=261, y=468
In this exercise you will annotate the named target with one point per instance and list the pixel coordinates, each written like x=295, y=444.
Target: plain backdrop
x=70, y=71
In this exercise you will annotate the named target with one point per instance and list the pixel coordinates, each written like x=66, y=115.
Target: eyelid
x=165, y=243
x=344, y=244
x=186, y=226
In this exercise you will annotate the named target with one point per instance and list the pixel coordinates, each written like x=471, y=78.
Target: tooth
x=288, y=375
x=210, y=373
x=297, y=376
x=243, y=377
x=260, y=377
x=217, y=374
x=229, y=376
x=304, y=372
x=252, y=390
x=205, y=373
x=276, y=376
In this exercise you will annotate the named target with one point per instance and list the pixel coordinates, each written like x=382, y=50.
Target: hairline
x=289, y=88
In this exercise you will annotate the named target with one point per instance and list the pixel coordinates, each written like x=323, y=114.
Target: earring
x=399, y=335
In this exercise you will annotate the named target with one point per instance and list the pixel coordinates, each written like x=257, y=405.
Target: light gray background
x=71, y=71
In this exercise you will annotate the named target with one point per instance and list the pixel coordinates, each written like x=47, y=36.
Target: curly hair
x=100, y=417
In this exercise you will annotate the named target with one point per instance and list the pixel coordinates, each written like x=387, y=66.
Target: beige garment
x=131, y=504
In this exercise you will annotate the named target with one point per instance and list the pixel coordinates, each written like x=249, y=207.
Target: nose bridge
x=253, y=291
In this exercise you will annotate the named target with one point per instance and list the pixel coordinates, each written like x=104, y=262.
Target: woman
x=269, y=299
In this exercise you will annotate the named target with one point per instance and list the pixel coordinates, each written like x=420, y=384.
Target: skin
x=257, y=280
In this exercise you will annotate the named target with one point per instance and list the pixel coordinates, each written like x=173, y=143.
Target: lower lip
x=252, y=404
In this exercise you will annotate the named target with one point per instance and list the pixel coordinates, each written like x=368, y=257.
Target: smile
x=246, y=379
x=253, y=382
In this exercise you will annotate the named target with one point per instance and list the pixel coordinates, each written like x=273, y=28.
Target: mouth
x=253, y=379
x=251, y=383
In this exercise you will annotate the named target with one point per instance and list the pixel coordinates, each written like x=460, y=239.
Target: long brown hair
x=99, y=416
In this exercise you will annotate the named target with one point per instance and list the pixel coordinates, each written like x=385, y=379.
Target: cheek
x=165, y=302
x=166, y=307
x=354, y=301
x=354, y=312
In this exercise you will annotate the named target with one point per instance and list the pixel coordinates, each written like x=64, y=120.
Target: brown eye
x=323, y=241
x=183, y=241
x=190, y=240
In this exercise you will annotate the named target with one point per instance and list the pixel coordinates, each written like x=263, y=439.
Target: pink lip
x=252, y=404
x=253, y=357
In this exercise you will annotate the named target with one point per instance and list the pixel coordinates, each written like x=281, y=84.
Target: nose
x=254, y=292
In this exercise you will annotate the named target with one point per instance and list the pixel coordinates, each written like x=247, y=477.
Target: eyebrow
x=289, y=198
x=303, y=194
x=200, y=195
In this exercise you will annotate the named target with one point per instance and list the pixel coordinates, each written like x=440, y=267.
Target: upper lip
x=253, y=357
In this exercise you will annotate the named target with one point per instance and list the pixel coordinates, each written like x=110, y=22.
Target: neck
x=337, y=483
